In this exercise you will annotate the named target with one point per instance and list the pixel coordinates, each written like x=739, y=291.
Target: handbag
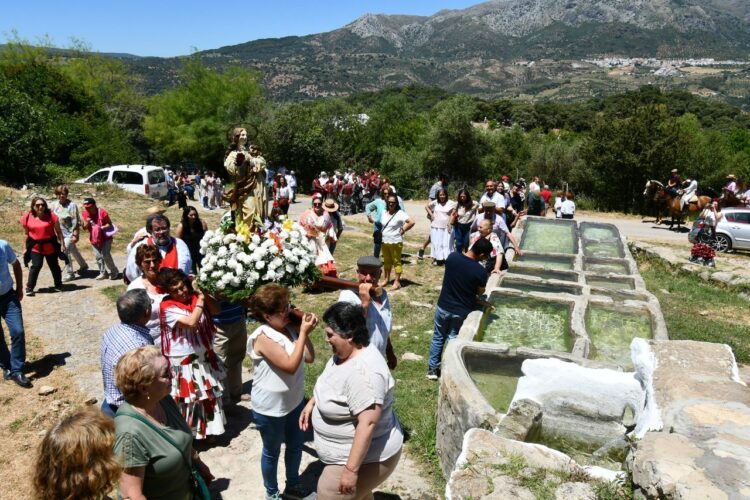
x=199, y=485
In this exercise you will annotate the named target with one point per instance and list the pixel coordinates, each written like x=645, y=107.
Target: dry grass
x=25, y=416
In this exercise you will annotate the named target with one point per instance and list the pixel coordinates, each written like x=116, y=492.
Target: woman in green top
x=153, y=468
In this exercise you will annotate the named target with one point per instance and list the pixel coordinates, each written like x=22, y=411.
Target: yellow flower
x=288, y=225
x=243, y=229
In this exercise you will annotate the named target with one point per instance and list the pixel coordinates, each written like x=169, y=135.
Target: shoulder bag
x=200, y=488
x=377, y=235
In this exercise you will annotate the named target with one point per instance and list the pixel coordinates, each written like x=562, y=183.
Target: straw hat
x=732, y=176
x=330, y=206
x=155, y=210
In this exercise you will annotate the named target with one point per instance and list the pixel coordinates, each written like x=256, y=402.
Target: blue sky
x=170, y=28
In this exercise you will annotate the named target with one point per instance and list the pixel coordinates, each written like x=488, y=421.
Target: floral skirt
x=197, y=390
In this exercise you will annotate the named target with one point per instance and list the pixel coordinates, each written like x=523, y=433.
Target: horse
x=729, y=199
x=657, y=192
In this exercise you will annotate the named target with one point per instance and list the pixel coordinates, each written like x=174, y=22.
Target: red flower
x=239, y=159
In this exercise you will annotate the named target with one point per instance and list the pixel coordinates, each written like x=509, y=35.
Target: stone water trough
x=563, y=370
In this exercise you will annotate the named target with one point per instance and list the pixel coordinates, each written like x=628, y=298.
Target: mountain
x=500, y=47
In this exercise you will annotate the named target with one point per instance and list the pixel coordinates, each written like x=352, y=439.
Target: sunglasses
x=317, y=204
x=40, y=204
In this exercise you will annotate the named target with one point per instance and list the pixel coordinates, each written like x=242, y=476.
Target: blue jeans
x=461, y=235
x=376, y=246
x=273, y=432
x=447, y=326
x=10, y=309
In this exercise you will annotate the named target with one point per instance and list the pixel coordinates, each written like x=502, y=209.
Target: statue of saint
x=244, y=199
x=258, y=169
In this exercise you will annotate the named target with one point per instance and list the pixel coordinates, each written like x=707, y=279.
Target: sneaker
x=102, y=276
x=420, y=254
x=69, y=277
x=57, y=289
x=275, y=496
x=115, y=277
x=83, y=269
x=433, y=374
x=19, y=379
x=297, y=492
x=29, y=293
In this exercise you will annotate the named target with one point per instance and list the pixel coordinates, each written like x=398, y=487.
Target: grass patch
x=694, y=309
x=114, y=292
x=15, y=425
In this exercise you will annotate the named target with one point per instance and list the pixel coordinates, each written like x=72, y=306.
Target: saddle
x=693, y=199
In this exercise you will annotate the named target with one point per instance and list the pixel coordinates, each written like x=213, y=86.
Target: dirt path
x=71, y=325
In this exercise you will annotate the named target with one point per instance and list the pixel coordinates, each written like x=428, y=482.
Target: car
x=147, y=180
x=732, y=231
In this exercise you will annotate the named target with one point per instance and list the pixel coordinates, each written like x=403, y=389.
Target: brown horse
x=729, y=199
x=656, y=191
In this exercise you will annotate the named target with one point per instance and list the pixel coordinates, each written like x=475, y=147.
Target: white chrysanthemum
x=217, y=274
x=222, y=251
x=260, y=265
x=221, y=263
x=233, y=247
x=277, y=262
x=235, y=281
x=255, y=239
x=241, y=238
x=228, y=238
x=207, y=267
x=301, y=268
x=254, y=275
x=203, y=276
x=289, y=268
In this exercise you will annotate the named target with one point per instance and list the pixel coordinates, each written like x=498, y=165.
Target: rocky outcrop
x=704, y=449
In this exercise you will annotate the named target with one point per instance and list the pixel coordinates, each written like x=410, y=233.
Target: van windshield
x=156, y=177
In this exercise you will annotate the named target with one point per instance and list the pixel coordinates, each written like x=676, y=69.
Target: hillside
x=501, y=48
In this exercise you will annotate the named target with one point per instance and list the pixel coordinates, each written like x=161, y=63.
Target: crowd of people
x=172, y=366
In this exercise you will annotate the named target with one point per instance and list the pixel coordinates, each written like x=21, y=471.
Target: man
x=10, y=309
x=174, y=252
x=534, y=184
x=442, y=183
x=546, y=195
x=463, y=281
x=230, y=344
x=491, y=195
x=674, y=182
x=375, y=306
x=134, y=311
x=499, y=227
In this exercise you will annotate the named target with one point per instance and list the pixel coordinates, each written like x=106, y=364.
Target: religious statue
x=248, y=197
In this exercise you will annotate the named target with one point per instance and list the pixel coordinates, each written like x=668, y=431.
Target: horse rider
x=731, y=185
x=674, y=183
x=689, y=192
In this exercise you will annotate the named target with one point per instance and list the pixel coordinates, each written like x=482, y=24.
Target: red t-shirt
x=546, y=195
x=41, y=228
x=100, y=217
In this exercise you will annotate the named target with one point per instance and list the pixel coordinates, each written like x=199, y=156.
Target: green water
x=612, y=331
x=606, y=267
x=610, y=284
x=602, y=249
x=549, y=237
x=529, y=323
x=525, y=286
x=581, y=452
x=544, y=273
x=598, y=232
x=498, y=383
x=546, y=262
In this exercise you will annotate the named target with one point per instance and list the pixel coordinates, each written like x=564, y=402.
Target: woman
x=357, y=434
x=558, y=205
x=374, y=211
x=395, y=223
x=44, y=241
x=153, y=467
x=283, y=195
x=187, y=336
x=319, y=230
x=440, y=212
x=97, y=222
x=76, y=459
x=568, y=207
x=711, y=216
x=148, y=258
x=277, y=396
x=466, y=211
x=191, y=230
x=210, y=193
x=70, y=224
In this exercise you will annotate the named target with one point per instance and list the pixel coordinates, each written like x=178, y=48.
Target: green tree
x=452, y=145
x=193, y=121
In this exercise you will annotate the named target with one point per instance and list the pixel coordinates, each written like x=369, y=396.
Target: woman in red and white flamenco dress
x=187, y=335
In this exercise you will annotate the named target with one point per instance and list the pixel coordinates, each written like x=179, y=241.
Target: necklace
x=158, y=415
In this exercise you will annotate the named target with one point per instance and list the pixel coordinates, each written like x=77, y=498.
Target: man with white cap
x=375, y=306
x=291, y=181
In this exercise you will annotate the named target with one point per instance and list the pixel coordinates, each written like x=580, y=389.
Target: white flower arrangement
x=237, y=261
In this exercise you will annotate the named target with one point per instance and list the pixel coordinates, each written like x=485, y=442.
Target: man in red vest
x=174, y=252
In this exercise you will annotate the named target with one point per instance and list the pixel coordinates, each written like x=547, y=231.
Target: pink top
x=41, y=228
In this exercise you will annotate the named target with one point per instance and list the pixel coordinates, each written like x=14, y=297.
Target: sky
x=169, y=28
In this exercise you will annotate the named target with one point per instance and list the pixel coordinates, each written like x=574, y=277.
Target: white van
x=142, y=179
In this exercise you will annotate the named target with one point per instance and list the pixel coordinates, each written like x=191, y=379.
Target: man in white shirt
x=291, y=181
x=375, y=305
x=174, y=252
x=491, y=195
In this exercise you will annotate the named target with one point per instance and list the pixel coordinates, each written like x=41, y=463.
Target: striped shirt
x=116, y=341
